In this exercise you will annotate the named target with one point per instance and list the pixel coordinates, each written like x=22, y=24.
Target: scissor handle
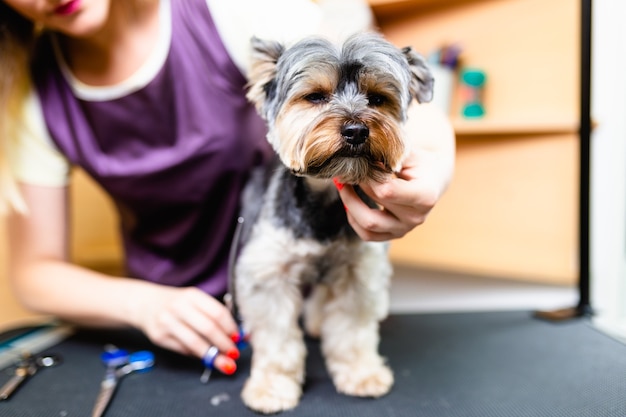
x=242, y=343
x=114, y=358
x=209, y=357
x=141, y=361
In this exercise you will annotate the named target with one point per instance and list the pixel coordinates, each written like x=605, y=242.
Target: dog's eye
x=316, y=98
x=376, y=100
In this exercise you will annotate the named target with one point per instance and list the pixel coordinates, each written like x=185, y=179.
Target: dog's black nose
x=355, y=133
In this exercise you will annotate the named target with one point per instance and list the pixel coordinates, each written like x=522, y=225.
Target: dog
x=334, y=113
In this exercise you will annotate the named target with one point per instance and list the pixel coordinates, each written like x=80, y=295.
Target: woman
x=147, y=96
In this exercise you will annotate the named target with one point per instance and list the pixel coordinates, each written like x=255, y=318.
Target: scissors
x=119, y=363
x=208, y=359
x=27, y=366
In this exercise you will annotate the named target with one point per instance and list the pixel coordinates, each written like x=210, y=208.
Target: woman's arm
x=408, y=198
x=181, y=319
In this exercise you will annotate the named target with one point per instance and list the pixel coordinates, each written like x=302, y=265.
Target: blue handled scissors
x=119, y=363
x=208, y=359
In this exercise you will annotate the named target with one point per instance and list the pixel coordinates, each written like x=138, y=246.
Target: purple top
x=173, y=155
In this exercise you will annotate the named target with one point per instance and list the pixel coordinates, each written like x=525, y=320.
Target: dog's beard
x=317, y=148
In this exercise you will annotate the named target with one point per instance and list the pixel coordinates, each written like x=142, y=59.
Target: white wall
x=608, y=166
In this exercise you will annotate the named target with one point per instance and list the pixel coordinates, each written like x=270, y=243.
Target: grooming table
x=500, y=364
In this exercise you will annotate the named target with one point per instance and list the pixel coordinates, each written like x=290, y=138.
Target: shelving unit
x=511, y=210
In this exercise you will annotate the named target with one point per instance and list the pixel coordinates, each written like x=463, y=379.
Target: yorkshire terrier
x=334, y=112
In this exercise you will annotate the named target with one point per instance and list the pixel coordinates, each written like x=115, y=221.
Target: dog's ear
x=262, y=75
x=422, y=80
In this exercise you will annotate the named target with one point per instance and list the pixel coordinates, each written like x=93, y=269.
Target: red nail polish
x=233, y=354
x=229, y=368
x=235, y=337
x=338, y=184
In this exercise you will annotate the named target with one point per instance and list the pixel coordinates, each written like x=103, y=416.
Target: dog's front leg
x=358, y=301
x=270, y=301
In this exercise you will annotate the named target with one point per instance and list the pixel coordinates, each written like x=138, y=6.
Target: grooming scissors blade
x=119, y=364
x=27, y=367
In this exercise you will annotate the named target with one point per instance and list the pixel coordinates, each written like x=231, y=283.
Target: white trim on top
x=138, y=79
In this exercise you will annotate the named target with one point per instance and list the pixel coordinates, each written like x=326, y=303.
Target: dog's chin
x=347, y=169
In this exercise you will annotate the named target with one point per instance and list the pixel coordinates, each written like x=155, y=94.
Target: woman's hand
x=189, y=321
x=185, y=320
x=406, y=199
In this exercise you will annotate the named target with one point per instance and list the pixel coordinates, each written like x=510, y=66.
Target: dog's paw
x=271, y=393
x=364, y=381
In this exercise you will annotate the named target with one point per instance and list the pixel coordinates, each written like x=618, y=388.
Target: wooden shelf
x=386, y=8
x=488, y=127
x=401, y=3
x=378, y=5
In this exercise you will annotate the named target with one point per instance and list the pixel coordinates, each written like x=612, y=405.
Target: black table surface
x=502, y=364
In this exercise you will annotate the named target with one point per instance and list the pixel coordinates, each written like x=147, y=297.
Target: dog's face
x=337, y=111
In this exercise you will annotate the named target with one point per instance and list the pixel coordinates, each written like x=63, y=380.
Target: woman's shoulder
x=286, y=21
x=237, y=21
x=281, y=19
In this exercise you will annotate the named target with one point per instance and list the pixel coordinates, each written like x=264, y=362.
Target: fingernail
x=229, y=368
x=235, y=337
x=338, y=184
x=233, y=354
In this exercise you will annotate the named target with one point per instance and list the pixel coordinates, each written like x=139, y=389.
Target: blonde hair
x=16, y=43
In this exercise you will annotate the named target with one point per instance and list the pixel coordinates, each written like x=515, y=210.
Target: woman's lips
x=67, y=8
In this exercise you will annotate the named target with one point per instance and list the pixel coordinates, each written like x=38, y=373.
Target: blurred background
x=505, y=236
